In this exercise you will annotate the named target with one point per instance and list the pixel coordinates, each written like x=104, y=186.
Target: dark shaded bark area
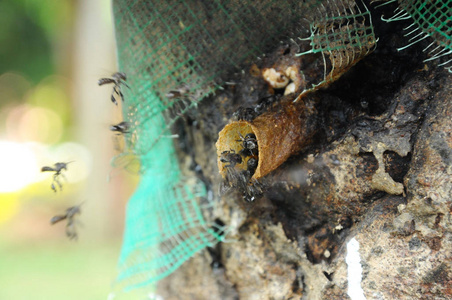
x=379, y=170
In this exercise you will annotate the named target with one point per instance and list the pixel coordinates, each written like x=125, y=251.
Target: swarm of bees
x=71, y=212
x=242, y=179
x=70, y=216
x=118, y=79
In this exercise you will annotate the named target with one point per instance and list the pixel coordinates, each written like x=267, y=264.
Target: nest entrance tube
x=279, y=134
x=229, y=140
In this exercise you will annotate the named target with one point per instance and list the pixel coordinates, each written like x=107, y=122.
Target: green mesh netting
x=191, y=47
x=431, y=19
x=164, y=224
x=344, y=33
x=174, y=54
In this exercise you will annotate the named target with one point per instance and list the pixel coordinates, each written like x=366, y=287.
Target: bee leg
x=55, y=179
x=64, y=177
x=223, y=188
x=184, y=104
x=123, y=82
x=118, y=91
x=52, y=186
x=71, y=232
x=113, y=98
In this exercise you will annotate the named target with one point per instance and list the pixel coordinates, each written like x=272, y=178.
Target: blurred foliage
x=36, y=118
x=30, y=31
x=36, y=37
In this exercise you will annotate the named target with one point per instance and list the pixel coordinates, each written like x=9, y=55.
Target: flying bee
x=118, y=78
x=58, y=169
x=249, y=143
x=180, y=92
x=230, y=157
x=70, y=216
x=179, y=100
x=120, y=128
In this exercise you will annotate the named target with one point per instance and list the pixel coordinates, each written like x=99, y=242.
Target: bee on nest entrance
x=238, y=160
x=262, y=145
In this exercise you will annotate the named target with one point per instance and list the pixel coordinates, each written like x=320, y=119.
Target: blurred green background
x=52, y=53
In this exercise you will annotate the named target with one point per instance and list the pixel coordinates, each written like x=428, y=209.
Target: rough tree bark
x=379, y=170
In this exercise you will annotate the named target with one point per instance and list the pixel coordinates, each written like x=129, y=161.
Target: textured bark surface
x=379, y=170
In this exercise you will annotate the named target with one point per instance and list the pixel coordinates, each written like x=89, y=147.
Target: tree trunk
x=376, y=173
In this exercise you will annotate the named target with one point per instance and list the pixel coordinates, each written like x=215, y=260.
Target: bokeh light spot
x=51, y=94
x=28, y=123
x=18, y=166
x=41, y=125
x=9, y=206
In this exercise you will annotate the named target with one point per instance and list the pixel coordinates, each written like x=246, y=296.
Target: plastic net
x=342, y=32
x=431, y=19
x=181, y=51
x=175, y=53
x=164, y=225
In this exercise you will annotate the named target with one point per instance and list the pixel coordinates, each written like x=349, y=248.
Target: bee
x=179, y=101
x=241, y=180
x=180, y=92
x=245, y=114
x=266, y=103
x=230, y=157
x=58, y=169
x=251, y=165
x=249, y=143
x=120, y=128
x=70, y=216
x=253, y=191
x=233, y=179
x=118, y=78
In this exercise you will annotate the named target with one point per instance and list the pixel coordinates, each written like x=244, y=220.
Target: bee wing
x=57, y=219
x=113, y=99
x=223, y=188
x=127, y=161
x=47, y=169
x=103, y=81
x=118, y=143
x=71, y=231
